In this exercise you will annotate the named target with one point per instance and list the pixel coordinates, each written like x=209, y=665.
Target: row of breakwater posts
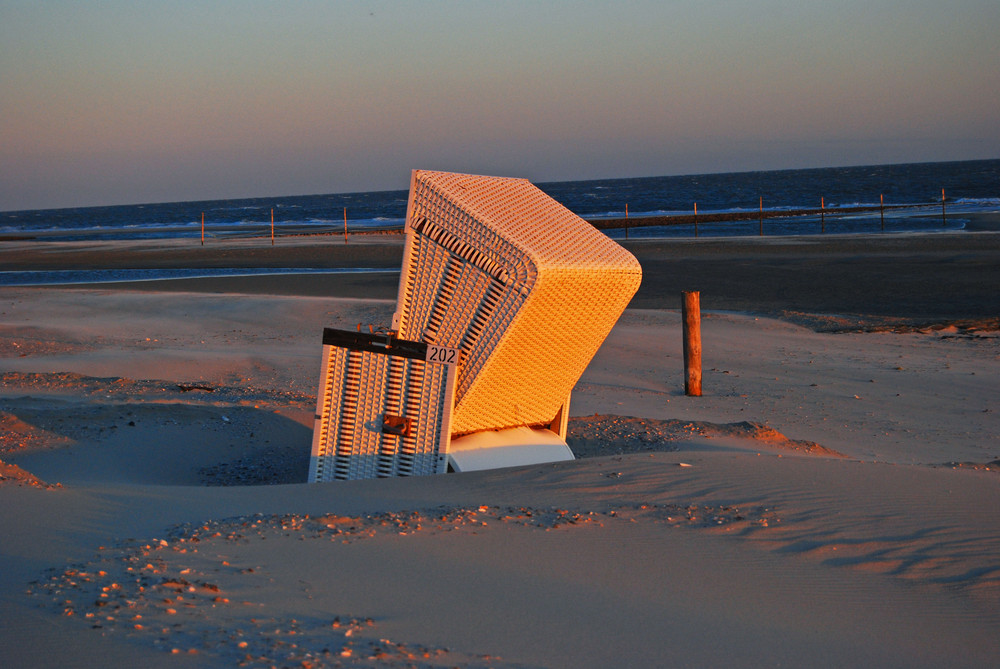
x=694, y=219
x=286, y=233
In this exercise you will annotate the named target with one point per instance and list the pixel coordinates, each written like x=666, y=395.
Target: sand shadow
x=158, y=444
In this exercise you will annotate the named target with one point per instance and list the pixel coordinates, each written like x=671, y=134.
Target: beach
x=831, y=500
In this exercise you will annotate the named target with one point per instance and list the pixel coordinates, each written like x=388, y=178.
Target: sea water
x=968, y=186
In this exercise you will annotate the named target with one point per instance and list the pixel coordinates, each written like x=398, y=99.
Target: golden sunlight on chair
x=504, y=298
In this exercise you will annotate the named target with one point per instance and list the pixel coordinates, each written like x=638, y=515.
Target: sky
x=136, y=101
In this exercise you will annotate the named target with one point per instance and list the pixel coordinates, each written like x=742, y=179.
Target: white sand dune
x=832, y=500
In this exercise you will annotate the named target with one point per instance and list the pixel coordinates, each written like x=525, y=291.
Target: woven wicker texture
x=357, y=390
x=525, y=288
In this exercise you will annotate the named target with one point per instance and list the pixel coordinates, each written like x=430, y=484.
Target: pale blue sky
x=139, y=101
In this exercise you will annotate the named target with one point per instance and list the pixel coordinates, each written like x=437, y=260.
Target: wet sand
x=866, y=281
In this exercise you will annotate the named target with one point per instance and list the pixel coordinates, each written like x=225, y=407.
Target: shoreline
x=977, y=220
x=843, y=282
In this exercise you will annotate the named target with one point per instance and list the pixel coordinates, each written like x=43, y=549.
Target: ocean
x=968, y=187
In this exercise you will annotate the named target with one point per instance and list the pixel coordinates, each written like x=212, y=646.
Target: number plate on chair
x=442, y=355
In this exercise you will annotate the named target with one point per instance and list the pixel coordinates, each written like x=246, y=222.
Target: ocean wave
x=978, y=201
x=243, y=207
x=971, y=186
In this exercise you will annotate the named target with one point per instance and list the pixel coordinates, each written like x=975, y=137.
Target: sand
x=832, y=500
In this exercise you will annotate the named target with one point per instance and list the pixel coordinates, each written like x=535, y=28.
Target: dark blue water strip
x=70, y=276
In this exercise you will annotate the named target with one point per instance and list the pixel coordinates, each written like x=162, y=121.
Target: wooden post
x=822, y=214
x=881, y=210
x=761, y=216
x=944, y=217
x=202, y=228
x=691, y=314
x=345, y=225
x=695, y=219
x=272, y=227
x=626, y=220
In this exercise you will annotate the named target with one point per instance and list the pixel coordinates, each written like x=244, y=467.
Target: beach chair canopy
x=511, y=295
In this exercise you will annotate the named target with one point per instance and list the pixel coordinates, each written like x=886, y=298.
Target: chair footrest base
x=512, y=447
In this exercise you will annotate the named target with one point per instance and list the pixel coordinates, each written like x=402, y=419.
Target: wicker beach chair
x=504, y=298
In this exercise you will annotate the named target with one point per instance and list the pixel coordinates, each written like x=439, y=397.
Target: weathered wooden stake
x=762, y=216
x=345, y=225
x=822, y=214
x=881, y=210
x=691, y=314
x=272, y=227
x=626, y=220
x=944, y=217
x=202, y=228
x=695, y=219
